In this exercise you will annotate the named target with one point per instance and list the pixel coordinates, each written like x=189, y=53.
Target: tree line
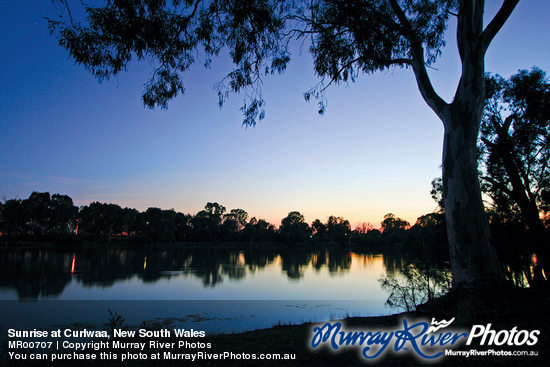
x=45, y=217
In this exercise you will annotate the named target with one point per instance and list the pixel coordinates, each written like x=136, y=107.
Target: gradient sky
x=374, y=151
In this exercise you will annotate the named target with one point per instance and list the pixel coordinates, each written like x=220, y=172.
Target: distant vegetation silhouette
x=54, y=218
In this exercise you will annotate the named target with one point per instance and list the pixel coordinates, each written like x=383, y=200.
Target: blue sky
x=374, y=151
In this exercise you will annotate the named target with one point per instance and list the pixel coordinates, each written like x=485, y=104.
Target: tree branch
x=436, y=103
x=500, y=185
x=498, y=21
x=487, y=142
x=507, y=123
x=542, y=175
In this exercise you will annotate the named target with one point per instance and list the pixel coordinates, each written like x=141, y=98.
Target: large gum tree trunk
x=474, y=260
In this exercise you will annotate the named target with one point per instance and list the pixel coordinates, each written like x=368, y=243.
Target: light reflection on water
x=262, y=286
x=191, y=274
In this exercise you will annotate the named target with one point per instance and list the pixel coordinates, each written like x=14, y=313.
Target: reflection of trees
x=295, y=261
x=34, y=273
x=256, y=259
x=207, y=266
x=520, y=268
x=103, y=267
x=235, y=268
x=393, y=261
x=339, y=261
x=368, y=259
x=319, y=260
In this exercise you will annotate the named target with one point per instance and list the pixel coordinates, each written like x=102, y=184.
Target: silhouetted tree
x=294, y=228
x=159, y=224
x=364, y=228
x=240, y=216
x=38, y=212
x=183, y=228
x=63, y=215
x=257, y=231
x=392, y=223
x=206, y=223
x=338, y=229
x=347, y=37
x=2, y=220
x=215, y=209
x=12, y=218
x=319, y=230
x=229, y=229
x=233, y=223
x=515, y=146
x=364, y=234
x=429, y=232
x=127, y=222
x=99, y=219
x=430, y=220
x=203, y=229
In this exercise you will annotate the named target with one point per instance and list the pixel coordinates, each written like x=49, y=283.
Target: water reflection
x=46, y=273
x=525, y=270
x=35, y=273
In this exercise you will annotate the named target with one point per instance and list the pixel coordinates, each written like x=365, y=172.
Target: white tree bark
x=474, y=261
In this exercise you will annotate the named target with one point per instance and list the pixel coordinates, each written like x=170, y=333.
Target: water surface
x=222, y=289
